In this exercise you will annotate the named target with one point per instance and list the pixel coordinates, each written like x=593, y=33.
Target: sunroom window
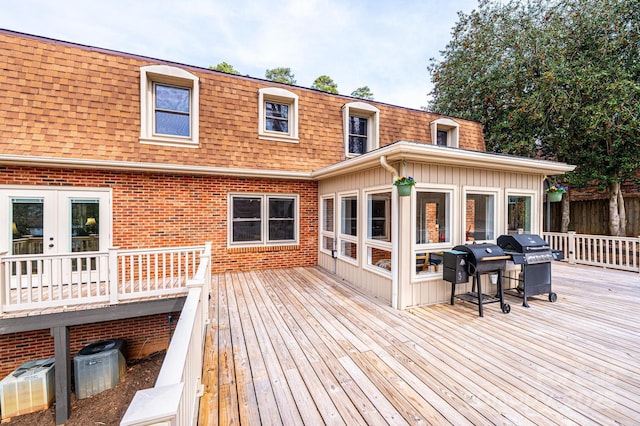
x=480, y=220
x=327, y=224
x=433, y=217
x=519, y=213
x=433, y=228
x=378, y=241
x=348, y=237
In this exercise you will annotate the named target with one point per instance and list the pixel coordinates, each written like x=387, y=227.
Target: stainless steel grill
x=535, y=256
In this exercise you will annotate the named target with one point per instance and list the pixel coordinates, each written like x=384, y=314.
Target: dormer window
x=444, y=132
x=277, y=114
x=169, y=106
x=361, y=127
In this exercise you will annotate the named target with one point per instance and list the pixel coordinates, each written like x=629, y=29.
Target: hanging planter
x=404, y=185
x=554, y=193
x=404, y=190
x=555, y=197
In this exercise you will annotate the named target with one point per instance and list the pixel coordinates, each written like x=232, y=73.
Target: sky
x=385, y=45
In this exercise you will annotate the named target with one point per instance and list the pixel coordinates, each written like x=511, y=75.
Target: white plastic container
x=98, y=367
x=30, y=388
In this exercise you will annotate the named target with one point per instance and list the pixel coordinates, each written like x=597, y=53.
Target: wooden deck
x=298, y=347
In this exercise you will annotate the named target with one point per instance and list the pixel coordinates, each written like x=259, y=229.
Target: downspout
x=394, y=236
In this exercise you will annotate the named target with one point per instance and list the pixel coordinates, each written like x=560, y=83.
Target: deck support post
x=62, y=373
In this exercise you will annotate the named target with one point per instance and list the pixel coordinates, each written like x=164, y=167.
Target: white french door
x=52, y=222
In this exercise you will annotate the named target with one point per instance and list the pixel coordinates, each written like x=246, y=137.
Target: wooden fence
x=592, y=217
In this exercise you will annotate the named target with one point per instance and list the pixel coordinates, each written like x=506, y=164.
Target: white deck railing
x=597, y=250
x=37, y=281
x=174, y=399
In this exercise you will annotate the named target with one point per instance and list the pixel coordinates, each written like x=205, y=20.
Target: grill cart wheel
x=506, y=308
x=553, y=297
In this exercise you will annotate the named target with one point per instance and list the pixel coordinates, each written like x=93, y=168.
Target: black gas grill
x=475, y=260
x=535, y=256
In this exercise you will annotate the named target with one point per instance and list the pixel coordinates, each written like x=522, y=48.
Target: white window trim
x=536, y=218
x=264, y=220
x=345, y=237
x=371, y=242
x=455, y=213
x=361, y=109
x=497, y=219
x=165, y=74
x=277, y=94
x=453, y=190
x=323, y=233
x=448, y=125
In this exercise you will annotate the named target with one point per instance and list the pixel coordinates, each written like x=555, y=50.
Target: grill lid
x=482, y=252
x=522, y=243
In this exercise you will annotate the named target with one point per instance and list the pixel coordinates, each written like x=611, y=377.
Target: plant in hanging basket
x=557, y=189
x=404, y=181
x=404, y=184
x=554, y=193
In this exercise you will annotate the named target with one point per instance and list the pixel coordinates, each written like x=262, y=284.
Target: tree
x=326, y=84
x=558, y=79
x=225, y=67
x=280, y=75
x=363, y=93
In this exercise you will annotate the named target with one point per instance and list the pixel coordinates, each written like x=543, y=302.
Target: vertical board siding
x=370, y=283
x=423, y=292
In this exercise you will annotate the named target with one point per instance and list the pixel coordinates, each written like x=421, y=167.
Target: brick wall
x=158, y=210
x=143, y=336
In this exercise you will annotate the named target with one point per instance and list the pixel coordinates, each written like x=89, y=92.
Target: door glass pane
x=27, y=225
x=85, y=225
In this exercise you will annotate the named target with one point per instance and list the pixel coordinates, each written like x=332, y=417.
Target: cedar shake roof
x=65, y=100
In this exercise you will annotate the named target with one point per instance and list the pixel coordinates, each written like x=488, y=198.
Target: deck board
x=298, y=346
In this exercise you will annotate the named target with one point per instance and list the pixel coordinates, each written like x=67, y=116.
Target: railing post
x=3, y=284
x=113, y=275
x=636, y=252
x=572, y=246
x=207, y=283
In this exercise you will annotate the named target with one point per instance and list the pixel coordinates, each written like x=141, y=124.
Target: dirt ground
x=106, y=408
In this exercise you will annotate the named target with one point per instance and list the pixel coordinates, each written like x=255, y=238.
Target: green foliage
x=557, y=78
x=326, y=84
x=280, y=75
x=363, y=93
x=225, y=67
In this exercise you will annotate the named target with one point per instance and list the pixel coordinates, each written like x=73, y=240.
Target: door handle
x=50, y=245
